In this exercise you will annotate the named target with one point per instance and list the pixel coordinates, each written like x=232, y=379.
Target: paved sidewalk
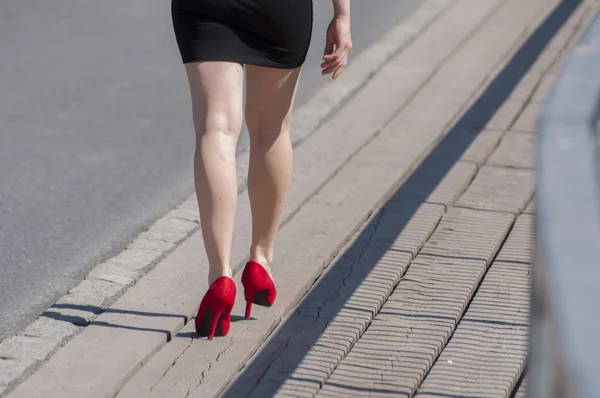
x=404, y=262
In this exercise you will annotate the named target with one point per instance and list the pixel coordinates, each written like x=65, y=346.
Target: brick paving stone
x=482, y=147
x=499, y=189
x=90, y=292
x=430, y=183
x=411, y=329
x=515, y=150
x=454, y=184
x=160, y=246
x=487, y=353
x=12, y=369
x=473, y=146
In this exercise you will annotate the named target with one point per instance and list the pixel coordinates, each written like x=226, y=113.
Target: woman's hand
x=338, y=41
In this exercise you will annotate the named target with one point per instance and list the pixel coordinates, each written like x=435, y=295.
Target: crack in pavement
x=172, y=364
x=264, y=373
x=210, y=365
x=223, y=351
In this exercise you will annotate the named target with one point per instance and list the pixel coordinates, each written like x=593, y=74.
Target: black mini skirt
x=273, y=33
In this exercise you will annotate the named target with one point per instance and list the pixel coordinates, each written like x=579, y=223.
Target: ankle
x=213, y=275
x=263, y=257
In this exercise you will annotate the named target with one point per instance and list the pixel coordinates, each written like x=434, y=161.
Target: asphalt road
x=96, y=137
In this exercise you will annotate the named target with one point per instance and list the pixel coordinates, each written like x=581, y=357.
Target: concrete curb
x=22, y=354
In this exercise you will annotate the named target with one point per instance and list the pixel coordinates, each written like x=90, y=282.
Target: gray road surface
x=95, y=133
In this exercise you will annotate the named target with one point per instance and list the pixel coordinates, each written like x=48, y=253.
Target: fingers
x=330, y=60
x=327, y=65
x=338, y=72
x=335, y=63
x=328, y=71
x=328, y=49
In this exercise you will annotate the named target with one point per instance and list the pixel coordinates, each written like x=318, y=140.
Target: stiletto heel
x=258, y=287
x=213, y=324
x=214, y=314
x=248, y=309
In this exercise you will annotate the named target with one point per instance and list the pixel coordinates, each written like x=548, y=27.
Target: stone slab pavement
x=403, y=265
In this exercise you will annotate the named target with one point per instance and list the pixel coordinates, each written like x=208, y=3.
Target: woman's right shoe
x=214, y=314
x=258, y=287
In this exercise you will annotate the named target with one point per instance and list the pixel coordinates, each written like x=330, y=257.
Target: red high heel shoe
x=214, y=314
x=258, y=287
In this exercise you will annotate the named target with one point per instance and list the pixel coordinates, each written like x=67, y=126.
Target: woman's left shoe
x=258, y=287
x=214, y=314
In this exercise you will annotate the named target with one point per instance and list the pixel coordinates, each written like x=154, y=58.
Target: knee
x=264, y=131
x=218, y=124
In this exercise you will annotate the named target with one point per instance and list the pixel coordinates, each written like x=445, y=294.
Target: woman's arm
x=341, y=8
x=338, y=42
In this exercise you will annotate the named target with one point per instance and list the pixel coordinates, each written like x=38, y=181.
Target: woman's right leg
x=217, y=102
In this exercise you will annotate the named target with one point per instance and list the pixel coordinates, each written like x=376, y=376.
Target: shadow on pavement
x=80, y=320
x=412, y=194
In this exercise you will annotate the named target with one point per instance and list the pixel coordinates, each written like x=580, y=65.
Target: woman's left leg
x=269, y=101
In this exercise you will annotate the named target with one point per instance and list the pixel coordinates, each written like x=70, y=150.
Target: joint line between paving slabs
x=516, y=214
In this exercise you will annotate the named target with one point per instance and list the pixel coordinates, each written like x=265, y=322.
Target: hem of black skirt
x=245, y=61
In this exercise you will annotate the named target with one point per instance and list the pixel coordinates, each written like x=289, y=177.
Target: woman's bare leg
x=217, y=102
x=269, y=100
